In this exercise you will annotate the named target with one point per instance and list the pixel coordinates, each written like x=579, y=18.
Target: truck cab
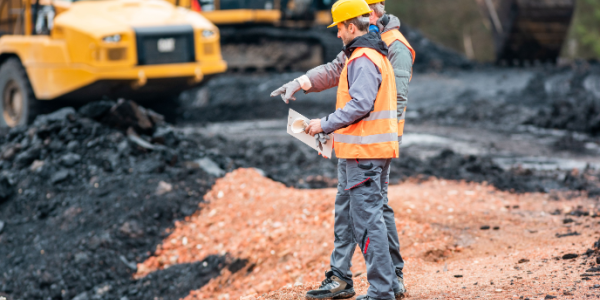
x=87, y=50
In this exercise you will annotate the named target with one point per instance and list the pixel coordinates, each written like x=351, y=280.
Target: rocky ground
x=88, y=195
x=92, y=199
x=459, y=240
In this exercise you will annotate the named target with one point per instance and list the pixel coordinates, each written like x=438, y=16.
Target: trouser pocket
x=364, y=174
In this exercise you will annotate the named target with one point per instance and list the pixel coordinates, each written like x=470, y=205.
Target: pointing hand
x=287, y=91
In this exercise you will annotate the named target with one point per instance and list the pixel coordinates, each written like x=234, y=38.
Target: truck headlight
x=115, y=38
x=207, y=33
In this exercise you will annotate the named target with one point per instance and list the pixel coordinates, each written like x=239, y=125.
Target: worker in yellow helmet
x=365, y=128
x=401, y=56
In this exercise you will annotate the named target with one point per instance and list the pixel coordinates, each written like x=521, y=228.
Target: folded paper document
x=296, y=125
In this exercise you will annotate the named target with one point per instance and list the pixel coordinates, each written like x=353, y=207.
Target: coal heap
x=86, y=195
x=296, y=165
x=570, y=98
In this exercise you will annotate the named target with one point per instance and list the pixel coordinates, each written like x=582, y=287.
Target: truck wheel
x=18, y=102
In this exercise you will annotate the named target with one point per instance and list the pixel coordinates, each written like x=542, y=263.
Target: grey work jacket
x=364, y=80
x=328, y=75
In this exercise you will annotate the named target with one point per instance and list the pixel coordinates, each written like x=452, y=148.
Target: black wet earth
x=81, y=204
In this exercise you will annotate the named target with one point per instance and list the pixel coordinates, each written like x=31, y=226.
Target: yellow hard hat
x=374, y=1
x=344, y=10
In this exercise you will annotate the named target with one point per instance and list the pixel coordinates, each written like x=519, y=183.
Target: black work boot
x=332, y=287
x=398, y=293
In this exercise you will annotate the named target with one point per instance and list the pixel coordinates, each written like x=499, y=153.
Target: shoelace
x=326, y=282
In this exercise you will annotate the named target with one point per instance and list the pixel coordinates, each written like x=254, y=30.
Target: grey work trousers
x=363, y=216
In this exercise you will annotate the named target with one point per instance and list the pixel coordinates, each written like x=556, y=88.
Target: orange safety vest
x=389, y=37
x=375, y=136
x=395, y=35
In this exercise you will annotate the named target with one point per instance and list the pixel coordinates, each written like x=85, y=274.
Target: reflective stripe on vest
x=380, y=115
x=366, y=140
x=391, y=36
x=375, y=136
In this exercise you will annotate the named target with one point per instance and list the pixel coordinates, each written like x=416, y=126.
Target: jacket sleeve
x=324, y=76
x=401, y=59
x=364, y=80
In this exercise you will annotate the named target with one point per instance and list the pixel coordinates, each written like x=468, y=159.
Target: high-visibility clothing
x=196, y=6
x=344, y=10
x=376, y=135
x=390, y=37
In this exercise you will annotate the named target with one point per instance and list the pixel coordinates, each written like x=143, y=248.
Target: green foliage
x=586, y=29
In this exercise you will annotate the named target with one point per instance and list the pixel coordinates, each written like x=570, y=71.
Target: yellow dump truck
x=87, y=50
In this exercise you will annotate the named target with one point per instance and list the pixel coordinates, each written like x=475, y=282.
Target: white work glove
x=322, y=139
x=287, y=91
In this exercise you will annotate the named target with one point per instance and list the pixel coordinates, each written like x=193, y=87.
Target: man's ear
x=373, y=18
x=351, y=28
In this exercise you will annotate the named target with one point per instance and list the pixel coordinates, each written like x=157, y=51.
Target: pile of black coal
x=295, y=165
x=431, y=55
x=569, y=99
x=555, y=97
x=451, y=165
x=85, y=196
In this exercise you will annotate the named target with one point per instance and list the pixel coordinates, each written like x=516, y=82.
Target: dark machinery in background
x=262, y=35
x=284, y=35
x=528, y=31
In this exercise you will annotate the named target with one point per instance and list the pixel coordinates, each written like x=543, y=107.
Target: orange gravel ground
x=287, y=236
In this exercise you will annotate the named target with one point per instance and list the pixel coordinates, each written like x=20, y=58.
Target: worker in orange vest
x=365, y=127
x=402, y=56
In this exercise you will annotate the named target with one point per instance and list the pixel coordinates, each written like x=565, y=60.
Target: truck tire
x=17, y=103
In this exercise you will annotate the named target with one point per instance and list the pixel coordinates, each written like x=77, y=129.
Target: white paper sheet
x=307, y=139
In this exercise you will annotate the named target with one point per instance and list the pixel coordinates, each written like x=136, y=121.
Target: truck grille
x=165, y=45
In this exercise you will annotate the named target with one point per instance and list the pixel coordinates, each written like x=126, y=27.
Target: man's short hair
x=362, y=23
x=378, y=8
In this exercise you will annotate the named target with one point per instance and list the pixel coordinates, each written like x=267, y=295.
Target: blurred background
x=452, y=22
